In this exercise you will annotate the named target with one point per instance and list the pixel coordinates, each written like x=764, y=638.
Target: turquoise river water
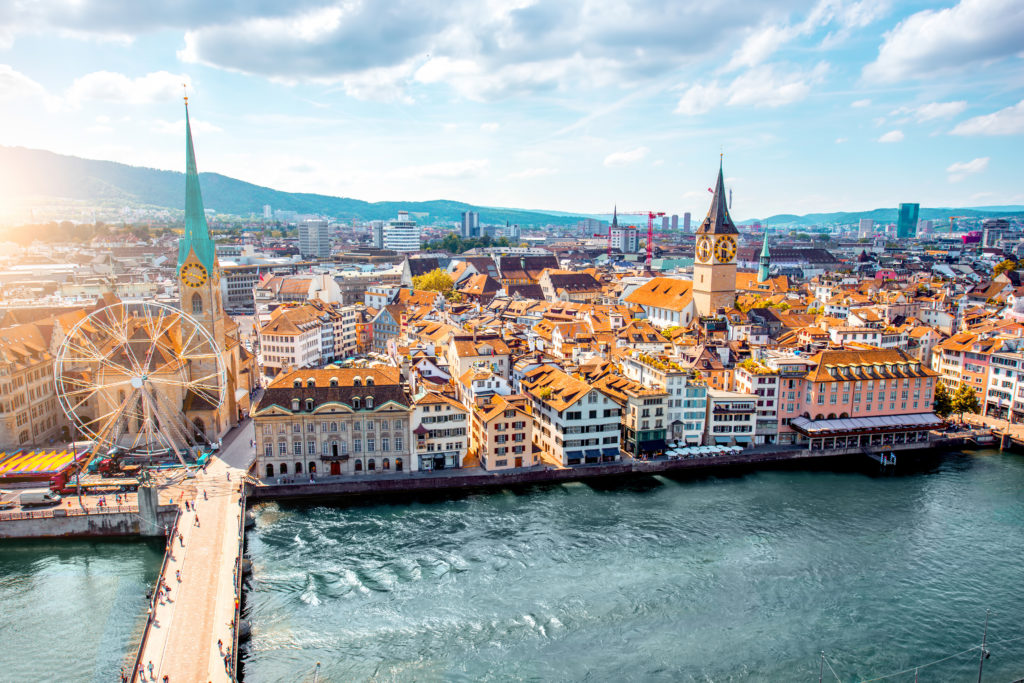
x=73, y=610
x=711, y=578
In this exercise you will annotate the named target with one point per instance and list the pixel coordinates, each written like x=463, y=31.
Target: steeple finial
x=615, y=216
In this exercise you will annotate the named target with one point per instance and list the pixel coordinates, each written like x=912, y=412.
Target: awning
x=882, y=423
x=574, y=454
x=652, y=445
x=610, y=451
x=593, y=453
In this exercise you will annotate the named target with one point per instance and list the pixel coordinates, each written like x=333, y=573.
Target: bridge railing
x=69, y=512
x=233, y=659
x=153, y=598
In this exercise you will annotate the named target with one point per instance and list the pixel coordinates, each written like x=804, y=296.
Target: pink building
x=838, y=399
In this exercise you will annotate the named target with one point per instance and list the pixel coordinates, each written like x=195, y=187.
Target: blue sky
x=569, y=105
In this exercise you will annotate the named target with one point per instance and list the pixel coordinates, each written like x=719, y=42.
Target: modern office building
x=314, y=241
x=906, y=224
x=866, y=229
x=402, y=234
x=626, y=239
x=470, y=224
x=686, y=221
x=377, y=234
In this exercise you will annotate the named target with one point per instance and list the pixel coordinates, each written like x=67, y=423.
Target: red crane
x=651, y=215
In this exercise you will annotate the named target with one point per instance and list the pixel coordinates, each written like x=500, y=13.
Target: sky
x=569, y=105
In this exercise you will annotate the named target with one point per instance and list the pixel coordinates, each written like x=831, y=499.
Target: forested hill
x=42, y=174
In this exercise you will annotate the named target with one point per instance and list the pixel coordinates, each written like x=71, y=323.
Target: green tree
x=1003, y=266
x=943, y=400
x=436, y=280
x=965, y=401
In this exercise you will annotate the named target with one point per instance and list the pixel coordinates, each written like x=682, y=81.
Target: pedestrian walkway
x=182, y=635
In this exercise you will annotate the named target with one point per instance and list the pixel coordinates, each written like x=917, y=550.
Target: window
x=297, y=447
x=384, y=443
x=356, y=403
x=369, y=401
x=357, y=445
x=282, y=448
x=398, y=443
x=197, y=304
x=369, y=424
x=370, y=445
x=311, y=447
x=268, y=449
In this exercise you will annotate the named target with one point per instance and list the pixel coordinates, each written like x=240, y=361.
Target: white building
x=441, y=433
x=625, y=239
x=573, y=423
x=687, y=399
x=866, y=229
x=731, y=418
x=402, y=235
x=314, y=241
x=758, y=379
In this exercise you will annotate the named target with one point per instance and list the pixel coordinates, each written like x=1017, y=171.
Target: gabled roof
x=663, y=292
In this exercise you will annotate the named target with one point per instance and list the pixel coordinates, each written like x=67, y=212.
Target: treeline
x=456, y=244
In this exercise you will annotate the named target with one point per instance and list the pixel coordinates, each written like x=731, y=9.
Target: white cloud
x=935, y=41
x=762, y=86
x=1008, y=121
x=962, y=169
x=108, y=86
x=178, y=127
x=468, y=168
x=858, y=104
x=934, y=110
x=840, y=141
x=533, y=173
x=15, y=85
x=763, y=41
x=489, y=127
x=892, y=136
x=625, y=158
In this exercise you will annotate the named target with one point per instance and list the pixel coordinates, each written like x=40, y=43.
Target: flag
x=711, y=191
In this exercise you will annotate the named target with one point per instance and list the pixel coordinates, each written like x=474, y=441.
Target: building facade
x=334, y=421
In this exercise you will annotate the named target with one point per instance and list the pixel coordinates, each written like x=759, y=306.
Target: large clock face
x=704, y=249
x=725, y=249
x=193, y=275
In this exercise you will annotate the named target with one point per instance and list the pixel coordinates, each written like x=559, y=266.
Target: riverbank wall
x=395, y=484
x=62, y=523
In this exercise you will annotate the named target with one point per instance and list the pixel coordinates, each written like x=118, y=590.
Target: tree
x=943, y=400
x=1003, y=266
x=965, y=401
x=436, y=280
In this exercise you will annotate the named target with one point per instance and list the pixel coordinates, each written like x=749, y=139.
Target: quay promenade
x=477, y=478
x=182, y=633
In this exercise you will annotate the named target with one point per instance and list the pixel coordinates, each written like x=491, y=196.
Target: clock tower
x=198, y=271
x=714, y=268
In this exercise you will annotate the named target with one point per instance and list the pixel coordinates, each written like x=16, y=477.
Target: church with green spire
x=200, y=296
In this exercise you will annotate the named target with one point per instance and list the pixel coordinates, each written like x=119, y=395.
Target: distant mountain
x=45, y=175
x=888, y=215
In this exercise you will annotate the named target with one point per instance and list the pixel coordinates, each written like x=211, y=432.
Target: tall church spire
x=615, y=216
x=197, y=233
x=718, y=221
x=765, y=261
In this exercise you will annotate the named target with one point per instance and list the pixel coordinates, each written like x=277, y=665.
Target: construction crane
x=651, y=215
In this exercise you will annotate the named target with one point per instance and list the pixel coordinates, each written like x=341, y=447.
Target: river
x=709, y=578
x=73, y=610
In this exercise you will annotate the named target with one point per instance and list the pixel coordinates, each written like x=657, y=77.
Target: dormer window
x=297, y=384
x=334, y=381
x=310, y=382
x=357, y=381
x=309, y=404
x=369, y=401
x=369, y=381
x=356, y=403
x=295, y=404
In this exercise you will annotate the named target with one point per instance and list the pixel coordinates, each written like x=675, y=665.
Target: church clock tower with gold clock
x=714, y=267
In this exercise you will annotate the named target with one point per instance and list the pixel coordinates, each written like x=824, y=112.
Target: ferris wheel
x=127, y=372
